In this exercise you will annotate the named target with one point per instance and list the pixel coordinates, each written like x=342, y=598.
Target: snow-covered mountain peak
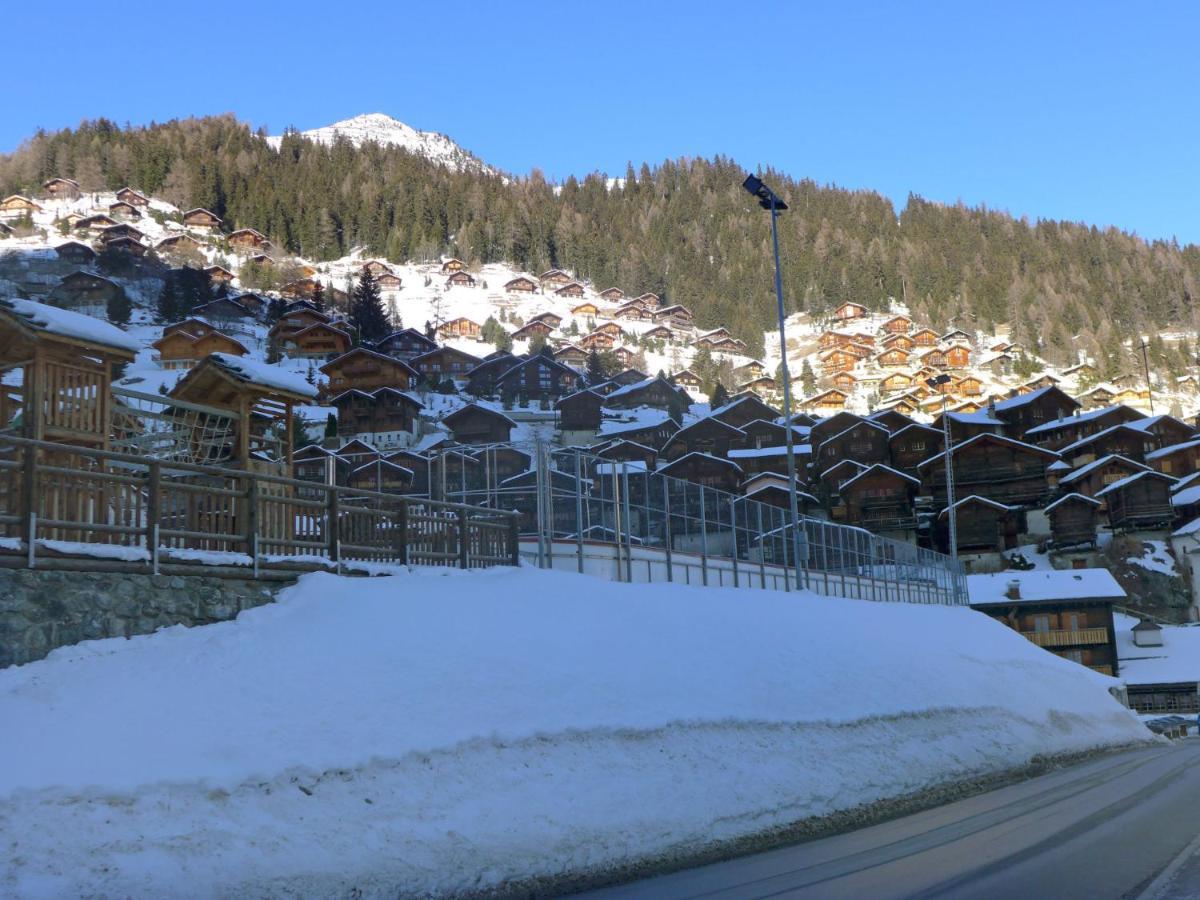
x=384, y=129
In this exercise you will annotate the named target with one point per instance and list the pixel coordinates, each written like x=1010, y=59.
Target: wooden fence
x=62, y=500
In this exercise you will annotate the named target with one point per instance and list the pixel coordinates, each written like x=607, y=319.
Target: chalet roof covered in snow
x=68, y=324
x=253, y=371
x=1040, y=585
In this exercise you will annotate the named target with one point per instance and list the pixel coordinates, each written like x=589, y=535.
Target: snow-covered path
x=450, y=731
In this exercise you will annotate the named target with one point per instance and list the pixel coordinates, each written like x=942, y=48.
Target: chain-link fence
x=587, y=513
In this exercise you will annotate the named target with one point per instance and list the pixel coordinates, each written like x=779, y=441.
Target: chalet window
x=1073, y=655
x=1073, y=621
x=1113, y=477
x=917, y=445
x=1041, y=624
x=1166, y=467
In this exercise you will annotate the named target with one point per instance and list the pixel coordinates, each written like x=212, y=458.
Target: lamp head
x=766, y=197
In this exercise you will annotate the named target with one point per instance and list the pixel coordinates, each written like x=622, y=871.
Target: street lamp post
x=936, y=383
x=769, y=201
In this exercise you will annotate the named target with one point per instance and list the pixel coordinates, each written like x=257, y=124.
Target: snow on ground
x=1178, y=659
x=1155, y=557
x=442, y=731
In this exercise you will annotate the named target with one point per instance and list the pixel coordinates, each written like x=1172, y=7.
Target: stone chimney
x=1013, y=590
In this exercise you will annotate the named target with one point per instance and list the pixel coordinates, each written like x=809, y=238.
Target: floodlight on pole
x=769, y=201
x=936, y=383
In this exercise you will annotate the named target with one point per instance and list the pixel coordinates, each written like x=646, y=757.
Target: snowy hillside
x=446, y=732
x=383, y=129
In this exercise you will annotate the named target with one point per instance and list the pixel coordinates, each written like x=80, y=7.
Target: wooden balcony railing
x=142, y=509
x=1068, y=637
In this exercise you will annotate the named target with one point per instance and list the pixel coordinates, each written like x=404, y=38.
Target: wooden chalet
x=475, y=424
x=201, y=220
x=585, y=309
x=910, y=446
x=957, y=357
x=119, y=231
x=982, y=526
x=708, y=435
x=481, y=380
x=460, y=279
x=892, y=420
x=571, y=355
x=892, y=358
x=61, y=188
x=179, y=349
x=742, y=410
x=375, y=268
x=367, y=370
x=178, y=242
x=320, y=340
x=659, y=333
x=1068, y=430
x=765, y=385
x=850, y=310
x=675, y=316
x=821, y=430
x=294, y=321
x=125, y=212
x=129, y=245
x=925, y=337
x=554, y=277
x=16, y=205
x=1074, y=521
x=219, y=274
x=1139, y=501
x=966, y=425
x=1091, y=478
x=880, y=499
x=826, y=402
x=597, y=340
x=522, y=284
x=839, y=359
x=222, y=309
x=897, y=342
x=1038, y=407
x=628, y=451
x=705, y=469
x=1068, y=613
x=1166, y=430
x=452, y=265
x=612, y=295
x=444, y=363
x=532, y=329
x=863, y=441
x=650, y=299
x=66, y=361
x=247, y=240
x=627, y=377
x=969, y=386
x=687, y=379
x=262, y=398
x=83, y=291
x=767, y=458
x=132, y=197
x=992, y=466
x=957, y=335
x=934, y=358
x=570, y=289
x=539, y=377
x=461, y=327
x=75, y=253
x=580, y=411
x=389, y=281
x=1176, y=460
x=301, y=288
x=898, y=325
x=406, y=344
x=381, y=476
x=624, y=356
x=383, y=417
x=633, y=312
x=1123, y=440
x=896, y=381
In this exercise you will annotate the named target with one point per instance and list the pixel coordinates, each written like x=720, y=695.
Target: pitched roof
x=1072, y=496
x=869, y=469
x=1010, y=442
x=1130, y=479
x=1085, y=470
x=1040, y=585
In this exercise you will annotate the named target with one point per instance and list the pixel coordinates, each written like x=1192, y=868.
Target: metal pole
x=950, y=481
x=793, y=510
x=628, y=516
x=666, y=483
x=578, y=514
x=703, y=540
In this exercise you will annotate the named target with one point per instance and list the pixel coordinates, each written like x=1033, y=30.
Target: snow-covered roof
x=1022, y=399
x=263, y=374
x=1085, y=470
x=1092, y=438
x=1130, y=479
x=1043, y=584
x=1174, y=448
x=1007, y=441
x=1190, y=528
x=976, y=498
x=881, y=467
x=758, y=452
x=68, y=324
x=1072, y=496
x=982, y=417
x=696, y=453
x=1176, y=661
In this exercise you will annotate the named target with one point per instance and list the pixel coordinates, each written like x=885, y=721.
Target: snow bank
x=451, y=731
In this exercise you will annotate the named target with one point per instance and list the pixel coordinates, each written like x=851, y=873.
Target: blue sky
x=1082, y=111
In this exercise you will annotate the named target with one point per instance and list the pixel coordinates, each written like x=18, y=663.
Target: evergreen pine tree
x=318, y=297
x=168, y=303
x=595, y=369
x=331, y=426
x=808, y=382
x=718, y=397
x=119, y=308
x=366, y=310
x=273, y=352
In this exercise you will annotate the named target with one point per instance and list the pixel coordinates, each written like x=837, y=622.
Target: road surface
x=1106, y=828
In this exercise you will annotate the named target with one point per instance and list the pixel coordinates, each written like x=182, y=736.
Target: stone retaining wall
x=43, y=610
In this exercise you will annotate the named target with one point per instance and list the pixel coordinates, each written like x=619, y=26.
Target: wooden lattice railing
x=88, y=503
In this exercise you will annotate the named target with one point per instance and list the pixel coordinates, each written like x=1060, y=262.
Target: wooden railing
x=66, y=500
x=1068, y=637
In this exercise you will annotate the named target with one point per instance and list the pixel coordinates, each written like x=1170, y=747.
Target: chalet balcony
x=1141, y=515
x=1067, y=637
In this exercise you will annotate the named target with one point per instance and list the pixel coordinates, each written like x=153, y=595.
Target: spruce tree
x=808, y=380
x=595, y=369
x=168, y=303
x=718, y=397
x=119, y=308
x=366, y=310
x=318, y=297
x=331, y=426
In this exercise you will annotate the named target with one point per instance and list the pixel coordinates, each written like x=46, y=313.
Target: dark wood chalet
x=912, y=445
x=675, y=316
x=475, y=424
x=292, y=323
x=864, y=441
x=367, y=370
x=705, y=469
x=381, y=416
x=61, y=188
x=201, y=219
x=83, y=290
x=481, y=380
x=129, y=245
x=656, y=392
x=570, y=289
x=452, y=265
x=687, y=379
x=532, y=329
x=1139, y=501
x=75, y=253
x=824, y=429
x=1074, y=521
x=651, y=299
x=571, y=355
x=1166, y=430
x=612, y=295
x=381, y=476
x=444, y=363
x=708, y=435
x=121, y=230
x=1091, y=478
x=219, y=274
x=629, y=451
x=521, y=285
x=554, y=276
x=745, y=409
x=981, y=526
x=389, y=282
x=1026, y=411
x=318, y=341
x=992, y=466
x=460, y=279
x=406, y=344
x=628, y=377
x=755, y=459
x=180, y=242
x=580, y=411
x=878, y=498
x=850, y=311
x=540, y=378
x=1069, y=429
x=124, y=211
x=1122, y=440
x=132, y=197
x=891, y=419
x=1176, y=460
x=925, y=337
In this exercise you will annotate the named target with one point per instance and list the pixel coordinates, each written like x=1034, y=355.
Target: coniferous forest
x=683, y=228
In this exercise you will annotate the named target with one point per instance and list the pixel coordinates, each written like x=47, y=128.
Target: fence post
x=703, y=541
x=464, y=540
x=733, y=531
x=762, y=548
x=153, y=511
x=402, y=532
x=514, y=538
x=578, y=515
x=666, y=483
x=252, y=520
x=333, y=524
x=628, y=516
x=616, y=503
x=29, y=471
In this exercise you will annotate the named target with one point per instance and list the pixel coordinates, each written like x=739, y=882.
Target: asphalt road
x=1106, y=828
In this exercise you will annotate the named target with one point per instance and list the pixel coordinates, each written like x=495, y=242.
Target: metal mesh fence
x=577, y=507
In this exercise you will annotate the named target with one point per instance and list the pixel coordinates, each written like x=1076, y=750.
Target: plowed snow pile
x=444, y=732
